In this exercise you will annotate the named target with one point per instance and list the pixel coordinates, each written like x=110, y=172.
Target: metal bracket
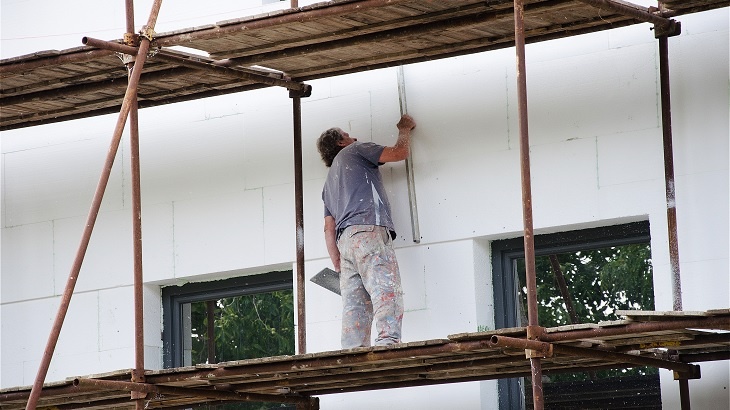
x=674, y=28
x=531, y=354
x=306, y=92
x=153, y=51
x=534, y=333
x=131, y=39
x=126, y=58
x=693, y=375
x=148, y=33
x=138, y=377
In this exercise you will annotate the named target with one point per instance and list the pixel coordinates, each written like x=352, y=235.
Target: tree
x=599, y=282
x=246, y=327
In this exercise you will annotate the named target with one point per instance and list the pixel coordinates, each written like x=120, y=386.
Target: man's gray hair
x=327, y=145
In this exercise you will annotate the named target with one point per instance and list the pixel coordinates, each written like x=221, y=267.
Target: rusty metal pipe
x=129, y=14
x=138, y=374
x=527, y=344
x=624, y=358
x=299, y=216
x=548, y=348
x=129, y=97
x=529, y=240
x=563, y=286
x=210, y=65
x=669, y=173
x=109, y=45
x=183, y=391
x=718, y=323
x=684, y=398
x=154, y=13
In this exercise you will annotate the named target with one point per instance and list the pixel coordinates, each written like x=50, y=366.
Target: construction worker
x=359, y=233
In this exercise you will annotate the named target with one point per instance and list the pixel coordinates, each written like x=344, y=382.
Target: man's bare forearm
x=399, y=151
x=330, y=237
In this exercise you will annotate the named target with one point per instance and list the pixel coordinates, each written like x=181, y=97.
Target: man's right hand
x=406, y=123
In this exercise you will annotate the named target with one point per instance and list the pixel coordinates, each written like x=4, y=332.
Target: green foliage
x=599, y=282
x=245, y=327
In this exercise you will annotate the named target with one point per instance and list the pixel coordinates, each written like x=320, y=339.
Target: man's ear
x=341, y=143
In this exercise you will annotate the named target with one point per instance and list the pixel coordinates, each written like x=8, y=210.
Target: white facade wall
x=218, y=196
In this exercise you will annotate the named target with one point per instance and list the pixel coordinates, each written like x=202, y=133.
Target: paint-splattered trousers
x=370, y=286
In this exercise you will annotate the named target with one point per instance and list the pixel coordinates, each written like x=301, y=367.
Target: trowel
x=328, y=279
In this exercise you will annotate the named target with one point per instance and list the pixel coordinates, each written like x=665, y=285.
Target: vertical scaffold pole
x=299, y=204
x=670, y=190
x=669, y=173
x=138, y=373
x=535, y=364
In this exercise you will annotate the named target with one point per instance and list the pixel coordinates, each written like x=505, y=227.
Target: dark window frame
x=174, y=297
x=505, y=290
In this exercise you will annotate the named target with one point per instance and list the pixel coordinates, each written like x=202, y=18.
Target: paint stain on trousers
x=370, y=285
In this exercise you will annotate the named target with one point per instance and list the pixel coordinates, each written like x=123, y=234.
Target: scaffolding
x=322, y=40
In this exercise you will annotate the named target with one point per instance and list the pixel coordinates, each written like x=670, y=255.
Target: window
x=234, y=319
x=582, y=277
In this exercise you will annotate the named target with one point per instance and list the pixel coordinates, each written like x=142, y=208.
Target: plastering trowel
x=328, y=279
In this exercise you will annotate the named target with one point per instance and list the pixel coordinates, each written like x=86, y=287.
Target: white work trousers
x=370, y=285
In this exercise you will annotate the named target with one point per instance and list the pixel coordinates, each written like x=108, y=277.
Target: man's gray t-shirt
x=353, y=193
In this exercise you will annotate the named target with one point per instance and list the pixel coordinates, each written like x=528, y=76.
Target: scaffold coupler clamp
x=126, y=58
x=149, y=33
x=673, y=28
x=304, y=92
x=693, y=375
x=534, y=333
x=131, y=39
x=138, y=377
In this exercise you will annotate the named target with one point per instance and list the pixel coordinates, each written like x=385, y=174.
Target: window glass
x=244, y=327
x=582, y=277
x=227, y=320
x=588, y=287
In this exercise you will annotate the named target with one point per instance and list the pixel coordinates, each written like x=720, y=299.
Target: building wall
x=218, y=196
